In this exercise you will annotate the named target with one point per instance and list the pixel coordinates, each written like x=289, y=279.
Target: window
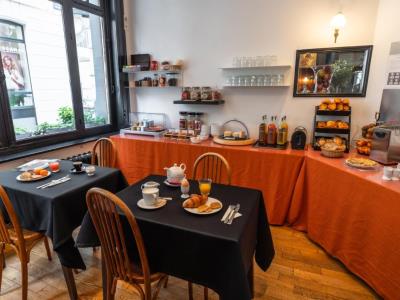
x=58, y=70
x=39, y=92
x=89, y=34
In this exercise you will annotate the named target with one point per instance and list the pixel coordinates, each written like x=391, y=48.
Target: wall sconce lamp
x=338, y=22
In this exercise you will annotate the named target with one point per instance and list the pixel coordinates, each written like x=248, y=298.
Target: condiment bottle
x=271, y=132
x=261, y=131
x=283, y=132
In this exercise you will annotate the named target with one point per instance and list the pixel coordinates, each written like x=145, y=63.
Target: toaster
x=385, y=146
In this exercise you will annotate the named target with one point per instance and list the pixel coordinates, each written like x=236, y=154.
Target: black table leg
x=70, y=281
x=250, y=278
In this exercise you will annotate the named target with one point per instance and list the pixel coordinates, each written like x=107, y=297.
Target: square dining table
x=57, y=211
x=199, y=248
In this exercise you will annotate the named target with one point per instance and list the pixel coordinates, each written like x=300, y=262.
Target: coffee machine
x=385, y=146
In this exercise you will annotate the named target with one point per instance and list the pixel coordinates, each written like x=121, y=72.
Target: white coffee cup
x=396, y=174
x=387, y=173
x=150, y=184
x=150, y=195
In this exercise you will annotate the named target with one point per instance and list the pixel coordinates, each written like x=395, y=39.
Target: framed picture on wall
x=332, y=72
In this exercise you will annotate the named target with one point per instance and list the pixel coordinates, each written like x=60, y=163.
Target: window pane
x=35, y=65
x=89, y=31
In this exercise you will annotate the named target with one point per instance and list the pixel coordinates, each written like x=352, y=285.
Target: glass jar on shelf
x=183, y=121
x=197, y=123
x=206, y=93
x=195, y=93
x=155, y=80
x=172, y=79
x=162, y=80
x=190, y=120
x=185, y=93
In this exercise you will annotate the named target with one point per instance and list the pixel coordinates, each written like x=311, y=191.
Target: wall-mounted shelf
x=214, y=102
x=256, y=68
x=153, y=87
x=128, y=71
x=256, y=86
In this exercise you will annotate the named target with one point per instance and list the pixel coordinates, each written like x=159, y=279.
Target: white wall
x=386, y=32
x=206, y=34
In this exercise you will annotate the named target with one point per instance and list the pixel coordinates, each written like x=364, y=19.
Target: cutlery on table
x=232, y=216
x=228, y=211
x=55, y=181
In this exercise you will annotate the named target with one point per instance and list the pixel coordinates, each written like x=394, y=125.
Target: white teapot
x=176, y=173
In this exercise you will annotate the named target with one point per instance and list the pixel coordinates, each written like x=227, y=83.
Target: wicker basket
x=332, y=153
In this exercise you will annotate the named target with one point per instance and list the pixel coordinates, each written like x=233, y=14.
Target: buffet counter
x=352, y=214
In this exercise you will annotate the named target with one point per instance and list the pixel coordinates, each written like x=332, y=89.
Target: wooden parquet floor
x=300, y=270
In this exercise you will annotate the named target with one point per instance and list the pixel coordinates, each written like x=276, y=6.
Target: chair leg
x=166, y=283
x=190, y=290
x=111, y=287
x=205, y=293
x=2, y=260
x=47, y=246
x=24, y=274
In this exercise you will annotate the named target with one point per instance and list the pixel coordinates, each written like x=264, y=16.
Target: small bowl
x=90, y=170
x=195, y=140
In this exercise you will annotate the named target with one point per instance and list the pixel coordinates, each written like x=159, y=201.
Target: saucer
x=160, y=203
x=73, y=171
x=171, y=184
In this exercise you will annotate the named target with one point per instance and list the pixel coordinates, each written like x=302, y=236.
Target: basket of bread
x=202, y=205
x=332, y=148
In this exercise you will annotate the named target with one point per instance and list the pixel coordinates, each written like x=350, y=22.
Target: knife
x=58, y=182
x=237, y=207
x=230, y=214
x=228, y=211
x=55, y=180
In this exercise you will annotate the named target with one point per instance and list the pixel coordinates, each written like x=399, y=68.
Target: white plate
x=171, y=184
x=160, y=203
x=33, y=179
x=209, y=201
x=362, y=167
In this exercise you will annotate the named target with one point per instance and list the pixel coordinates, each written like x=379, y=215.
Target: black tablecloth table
x=200, y=249
x=57, y=211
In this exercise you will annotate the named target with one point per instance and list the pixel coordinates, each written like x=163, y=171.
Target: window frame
x=115, y=54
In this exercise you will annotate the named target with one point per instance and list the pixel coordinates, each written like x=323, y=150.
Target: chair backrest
x=212, y=165
x=102, y=206
x=4, y=235
x=104, y=153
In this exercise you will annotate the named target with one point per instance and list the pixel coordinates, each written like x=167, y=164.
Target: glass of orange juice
x=205, y=186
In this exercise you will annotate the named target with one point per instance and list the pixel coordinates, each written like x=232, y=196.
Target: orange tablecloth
x=354, y=215
x=274, y=172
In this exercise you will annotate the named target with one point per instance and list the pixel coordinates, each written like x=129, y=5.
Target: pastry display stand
x=331, y=132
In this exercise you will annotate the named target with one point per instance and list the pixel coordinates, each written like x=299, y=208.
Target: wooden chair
x=211, y=165
x=102, y=206
x=214, y=166
x=104, y=153
x=20, y=240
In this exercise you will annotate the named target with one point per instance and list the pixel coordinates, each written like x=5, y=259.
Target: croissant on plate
x=195, y=201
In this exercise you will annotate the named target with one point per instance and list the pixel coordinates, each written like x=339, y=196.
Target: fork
x=227, y=213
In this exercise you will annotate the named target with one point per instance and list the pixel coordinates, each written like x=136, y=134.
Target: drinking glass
x=205, y=186
x=229, y=82
x=253, y=62
x=266, y=60
x=247, y=80
x=234, y=81
x=243, y=62
x=281, y=79
x=240, y=81
x=260, y=80
x=267, y=80
x=253, y=81
x=274, y=79
x=273, y=60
